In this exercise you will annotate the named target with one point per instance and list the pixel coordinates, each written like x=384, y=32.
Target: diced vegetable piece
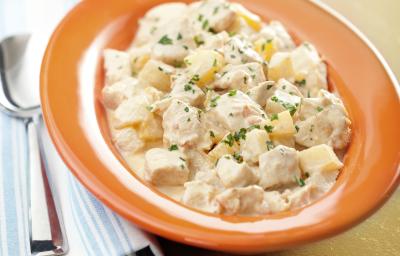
x=138, y=63
x=266, y=48
x=251, y=19
x=151, y=128
x=282, y=125
x=234, y=174
x=254, y=145
x=280, y=66
x=203, y=64
x=156, y=74
x=320, y=158
x=227, y=146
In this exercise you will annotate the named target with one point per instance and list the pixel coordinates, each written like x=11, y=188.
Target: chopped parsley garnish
x=269, y=86
x=299, y=181
x=312, y=128
x=200, y=17
x=173, y=147
x=183, y=159
x=268, y=128
x=241, y=134
x=188, y=120
x=213, y=102
x=270, y=144
x=149, y=108
x=251, y=69
x=224, y=73
x=186, y=109
x=185, y=47
x=292, y=109
x=205, y=24
x=274, y=98
x=165, y=40
x=297, y=128
x=274, y=117
x=216, y=9
x=230, y=114
x=179, y=37
x=245, y=79
x=300, y=83
x=252, y=127
x=215, y=63
x=232, y=93
x=198, y=40
x=212, y=134
x=187, y=87
x=319, y=109
x=233, y=56
x=229, y=140
x=308, y=94
x=237, y=157
x=160, y=68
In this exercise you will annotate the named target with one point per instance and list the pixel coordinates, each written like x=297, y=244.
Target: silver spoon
x=46, y=232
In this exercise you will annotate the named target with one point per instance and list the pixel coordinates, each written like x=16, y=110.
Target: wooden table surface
x=380, y=234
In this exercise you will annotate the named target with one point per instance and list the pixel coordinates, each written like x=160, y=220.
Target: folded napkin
x=91, y=228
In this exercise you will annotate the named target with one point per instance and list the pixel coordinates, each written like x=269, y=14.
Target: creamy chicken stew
x=224, y=112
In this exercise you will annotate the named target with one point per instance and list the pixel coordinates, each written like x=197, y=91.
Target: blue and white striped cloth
x=91, y=228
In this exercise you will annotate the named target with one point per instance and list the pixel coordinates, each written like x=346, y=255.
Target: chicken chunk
x=329, y=126
x=234, y=174
x=181, y=124
x=261, y=92
x=184, y=89
x=275, y=202
x=303, y=66
x=127, y=140
x=278, y=167
x=201, y=195
x=153, y=24
x=281, y=101
x=236, y=110
x=117, y=65
x=245, y=201
x=254, y=145
x=276, y=34
x=238, y=51
x=212, y=15
x=113, y=95
x=165, y=167
x=242, y=77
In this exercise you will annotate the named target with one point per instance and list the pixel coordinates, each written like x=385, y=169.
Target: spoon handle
x=46, y=236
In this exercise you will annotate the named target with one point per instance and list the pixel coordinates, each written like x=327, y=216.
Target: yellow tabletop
x=379, y=234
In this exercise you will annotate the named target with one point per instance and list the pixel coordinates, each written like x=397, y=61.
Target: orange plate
x=72, y=77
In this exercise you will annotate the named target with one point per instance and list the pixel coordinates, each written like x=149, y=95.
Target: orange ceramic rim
x=72, y=77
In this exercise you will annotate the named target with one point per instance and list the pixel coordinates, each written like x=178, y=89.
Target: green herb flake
x=213, y=102
x=299, y=181
x=205, y=25
x=149, y=108
x=198, y=40
x=268, y=128
x=297, y=128
x=188, y=120
x=179, y=36
x=241, y=134
x=165, y=40
x=252, y=127
x=187, y=87
x=173, y=147
x=229, y=140
x=232, y=93
x=274, y=99
x=270, y=144
x=185, y=47
x=216, y=9
x=212, y=135
x=319, y=109
x=274, y=117
x=160, y=68
x=300, y=83
x=215, y=63
x=186, y=109
x=269, y=86
x=200, y=17
x=237, y=157
x=183, y=159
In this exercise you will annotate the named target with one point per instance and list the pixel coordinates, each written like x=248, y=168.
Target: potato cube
x=266, y=48
x=280, y=66
x=157, y=74
x=280, y=101
x=320, y=158
x=151, y=128
x=254, y=144
x=131, y=112
x=251, y=19
x=234, y=174
x=222, y=148
x=165, y=167
x=282, y=124
x=203, y=64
